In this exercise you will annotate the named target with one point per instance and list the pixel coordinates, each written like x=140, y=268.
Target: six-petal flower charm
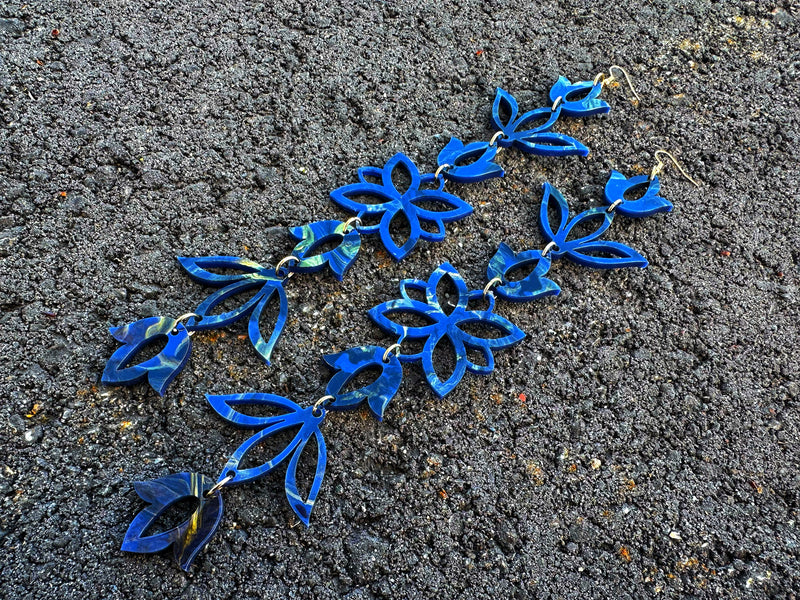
x=413, y=203
x=443, y=325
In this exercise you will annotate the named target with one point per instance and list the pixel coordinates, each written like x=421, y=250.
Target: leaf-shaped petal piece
x=302, y=508
x=262, y=346
x=209, y=321
x=552, y=194
x=191, y=535
x=648, y=204
x=483, y=168
x=550, y=144
x=445, y=325
x=534, y=285
x=377, y=394
x=198, y=269
x=313, y=235
x=505, y=102
x=602, y=254
x=159, y=370
x=584, y=106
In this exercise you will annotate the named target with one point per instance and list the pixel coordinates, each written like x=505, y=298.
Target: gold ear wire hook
x=661, y=164
x=612, y=78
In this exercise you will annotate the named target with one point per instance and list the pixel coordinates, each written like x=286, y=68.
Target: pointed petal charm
x=377, y=394
x=481, y=169
x=159, y=370
x=188, y=538
x=648, y=204
x=586, y=250
x=291, y=416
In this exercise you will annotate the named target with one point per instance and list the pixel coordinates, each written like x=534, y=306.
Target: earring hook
x=661, y=164
x=612, y=78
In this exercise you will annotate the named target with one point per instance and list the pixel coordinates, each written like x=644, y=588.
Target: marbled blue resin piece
x=586, y=250
x=483, y=168
x=587, y=102
x=538, y=140
x=648, y=204
x=251, y=276
x=186, y=539
x=534, y=285
x=393, y=204
x=159, y=370
x=377, y=394
x=295, y=417
x=442, y=324
x=314, y=235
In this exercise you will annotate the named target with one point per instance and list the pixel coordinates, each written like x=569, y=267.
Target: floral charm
x=251, y=275
x=313, y=236
x=448, y=324
x=589, y=105
x=305, y=420
x=648, y=204
x=377, y=394
x=538, y=140
x=188, y=538
x=159, y=370
x=391, y=204
x=587, y=250
x=481, y=169
x=534, y=285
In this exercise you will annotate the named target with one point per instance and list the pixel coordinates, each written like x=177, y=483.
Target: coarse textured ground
x=642, y=441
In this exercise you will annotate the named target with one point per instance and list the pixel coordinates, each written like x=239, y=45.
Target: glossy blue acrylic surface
x=291, y=417
x=159, y=370
x=186, y=539
x=579, y=99
x=534, y=285
x=393, y=205
x=586, y=250
x=353, y=361
x=249, y=276
x=480, y=169
x=648, y=204
x=533, y=140
x=448, y=324
x=314, y=235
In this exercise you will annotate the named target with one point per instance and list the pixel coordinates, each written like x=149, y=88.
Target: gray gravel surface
x=642, y=441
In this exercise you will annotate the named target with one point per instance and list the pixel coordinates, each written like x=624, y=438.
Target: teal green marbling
x=442, y=324
x=377, y=394
x=159, y=370
x=531, y=287
x=250, y=275
x=587, y=250
x=186, y=539
x=314, y=235
x=292, y=417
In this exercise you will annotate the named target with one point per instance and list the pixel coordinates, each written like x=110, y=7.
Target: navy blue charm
x=586, y=250
x=159, y=370
x=534, y=285
x=481, y=169
x=391, y=204
x=251, y=276
x=350, y=363
x=315, y=235
x=539, y=140
x=648, y=204
x=186, y=539
x=305, y=420
x=584, y=106
x=443, y=324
